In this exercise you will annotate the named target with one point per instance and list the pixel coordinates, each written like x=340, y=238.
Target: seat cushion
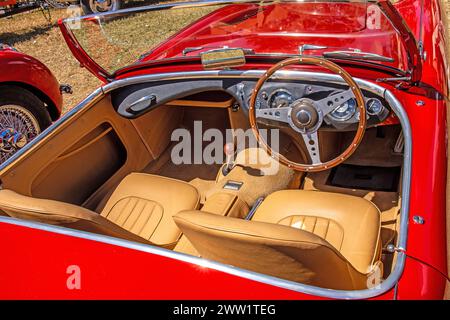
x=350, y=224
x=61, y=214
x=144, y=205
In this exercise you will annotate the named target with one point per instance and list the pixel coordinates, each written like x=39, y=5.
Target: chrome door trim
x=385, y=286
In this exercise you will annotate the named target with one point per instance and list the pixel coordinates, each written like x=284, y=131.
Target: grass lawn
x=32, y=34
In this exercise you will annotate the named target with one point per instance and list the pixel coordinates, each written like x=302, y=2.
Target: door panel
x=156, y=127
x=94, y=159
x=81, y=161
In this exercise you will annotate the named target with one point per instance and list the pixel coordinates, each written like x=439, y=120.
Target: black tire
x=23, y=97
x=20, y=111
x=87, y=9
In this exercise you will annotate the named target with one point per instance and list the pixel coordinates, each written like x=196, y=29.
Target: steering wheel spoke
x=312, y=145
x=333, y=101
x=277, y=114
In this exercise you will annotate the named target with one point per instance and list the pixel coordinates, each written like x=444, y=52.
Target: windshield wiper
x=308, y=47
x=360, y=55
x=193, y=49
x=347, y=53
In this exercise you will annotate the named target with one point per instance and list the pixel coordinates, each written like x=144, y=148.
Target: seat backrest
x=272, y=249
x=62, y=214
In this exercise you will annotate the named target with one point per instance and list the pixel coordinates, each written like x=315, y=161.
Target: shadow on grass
x=12, y=38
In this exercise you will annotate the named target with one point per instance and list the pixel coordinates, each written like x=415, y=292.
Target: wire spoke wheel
x=18, y=126
x=98, y=6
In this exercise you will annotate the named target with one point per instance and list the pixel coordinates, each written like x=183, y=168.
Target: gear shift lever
x=228, y=148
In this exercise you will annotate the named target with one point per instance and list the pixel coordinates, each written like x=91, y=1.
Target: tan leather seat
x=323, y=239
x=140, y=209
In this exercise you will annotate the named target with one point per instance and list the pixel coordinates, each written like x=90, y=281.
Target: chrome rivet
x=418, y=220
x=420, y=103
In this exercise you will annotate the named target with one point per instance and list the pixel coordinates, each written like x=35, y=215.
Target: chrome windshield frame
x=382, y=288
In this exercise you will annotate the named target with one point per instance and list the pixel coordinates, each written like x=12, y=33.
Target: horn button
x=304, y=115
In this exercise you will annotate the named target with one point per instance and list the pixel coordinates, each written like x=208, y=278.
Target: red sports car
x=30, y=99
x=240, y=150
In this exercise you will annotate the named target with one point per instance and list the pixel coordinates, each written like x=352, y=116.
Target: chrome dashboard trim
x=247, y=74
x=385, y=286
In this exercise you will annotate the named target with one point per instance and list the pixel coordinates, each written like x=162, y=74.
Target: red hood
x=283, y=27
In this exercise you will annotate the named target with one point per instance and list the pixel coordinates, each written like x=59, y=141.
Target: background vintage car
x=424, y=271
x=30, y=99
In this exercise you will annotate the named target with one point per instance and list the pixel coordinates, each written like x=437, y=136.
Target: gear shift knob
x=228, y=149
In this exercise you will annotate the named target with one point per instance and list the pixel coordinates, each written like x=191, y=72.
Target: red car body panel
x=7, y=2
x=21, y=69
x=37, y=259
x=284, y=27
x=112, y=272
x=267, y=30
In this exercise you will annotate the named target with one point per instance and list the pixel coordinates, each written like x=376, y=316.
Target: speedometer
x=345, y=111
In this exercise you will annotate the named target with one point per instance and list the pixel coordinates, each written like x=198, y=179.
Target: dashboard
x=345, y=116
x=134, y=100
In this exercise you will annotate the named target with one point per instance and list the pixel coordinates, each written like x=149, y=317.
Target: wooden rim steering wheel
x=305, y=116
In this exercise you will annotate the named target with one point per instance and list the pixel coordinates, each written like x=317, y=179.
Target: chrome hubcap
x=17, y=127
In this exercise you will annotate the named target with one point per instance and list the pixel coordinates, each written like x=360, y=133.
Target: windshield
x=180, y=30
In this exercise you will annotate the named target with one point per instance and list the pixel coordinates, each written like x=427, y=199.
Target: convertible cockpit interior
x=158, y=161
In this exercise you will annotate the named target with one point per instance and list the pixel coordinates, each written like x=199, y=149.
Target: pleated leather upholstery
x=144, y=205
x=325, y=228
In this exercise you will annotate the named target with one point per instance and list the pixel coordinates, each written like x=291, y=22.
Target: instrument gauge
x=374, y=107
x=280, y=98
x=345, y=111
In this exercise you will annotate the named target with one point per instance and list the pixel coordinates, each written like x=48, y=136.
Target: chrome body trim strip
x=386, y=285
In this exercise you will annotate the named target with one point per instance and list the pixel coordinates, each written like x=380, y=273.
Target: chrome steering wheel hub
x=304, y=117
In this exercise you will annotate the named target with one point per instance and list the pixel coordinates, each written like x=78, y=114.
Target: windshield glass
x=180, y=30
